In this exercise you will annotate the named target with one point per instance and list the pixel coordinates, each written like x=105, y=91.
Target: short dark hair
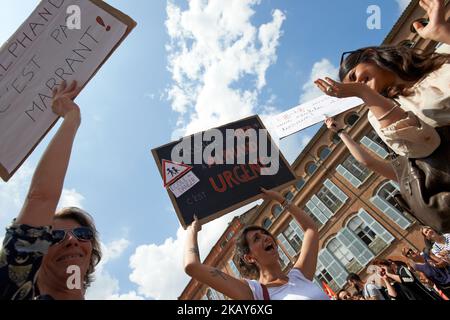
x=353, y=277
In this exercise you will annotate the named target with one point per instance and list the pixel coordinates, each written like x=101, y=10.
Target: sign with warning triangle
x=172, y=171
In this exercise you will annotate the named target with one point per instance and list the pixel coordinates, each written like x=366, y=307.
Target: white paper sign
x=42, y=53
x=183, y=184
x=310, y=113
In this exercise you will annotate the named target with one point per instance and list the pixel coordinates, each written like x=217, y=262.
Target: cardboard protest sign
x=310, y=113
x=227, y=173
x=50, y=47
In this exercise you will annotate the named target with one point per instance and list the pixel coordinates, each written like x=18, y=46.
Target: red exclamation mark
x=102, y=23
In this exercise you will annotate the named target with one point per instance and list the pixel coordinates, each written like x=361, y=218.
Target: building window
x=230, y=235
x=371, y=233
x=351, y=119
x=286, y=245
x=212, y=294
x=234, y=269
x=294, y=236
x=366, y=234
x=385, y=201
x=267, y=223
x=374, y=143
x=277, y=210
x=407, y=43
x=344, y=255
x=356, y=245
x=311, y=168
x=317, y=221
x=353, y=171
x=329, y=199
x=330, y=271
x=299, y=184
x=289, y=195
x=324, y=153
x=335, y=138
x=284, y=260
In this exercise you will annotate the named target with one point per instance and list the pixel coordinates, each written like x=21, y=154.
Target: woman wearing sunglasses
x=41, y=250
x=407, y=93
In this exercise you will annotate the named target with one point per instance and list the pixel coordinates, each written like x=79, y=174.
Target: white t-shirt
x=297, y=288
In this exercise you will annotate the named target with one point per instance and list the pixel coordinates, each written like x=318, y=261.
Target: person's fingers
x=320, y=84
x=72, y=86
x=425, y=4
x=55, y=91
x=63, y=86
x=333, y=83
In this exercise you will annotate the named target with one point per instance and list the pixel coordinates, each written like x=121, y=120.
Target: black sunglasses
x=81, y=233
x=346, y=54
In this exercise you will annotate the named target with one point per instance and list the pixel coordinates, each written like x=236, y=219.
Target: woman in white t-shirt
x=257, y=258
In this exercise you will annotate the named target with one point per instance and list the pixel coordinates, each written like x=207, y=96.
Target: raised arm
x=361, y=154
x=387, y=111
x=307, y=261
x=48, y=179
x=233, y=288
x=438, y=29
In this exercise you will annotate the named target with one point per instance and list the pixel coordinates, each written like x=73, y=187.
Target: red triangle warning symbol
x=173, y=171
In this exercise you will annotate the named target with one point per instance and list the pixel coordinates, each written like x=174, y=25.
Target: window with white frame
x=286, y=245
x=284, y=260
x=317, y=221
x=294, y=235
x=331, y=196
x=384, y=200
x=373, y=142
x=353, y=171
x=370, y=231
x=234, y=269
x=330, y=270
x=344, y=255
x=212, y=294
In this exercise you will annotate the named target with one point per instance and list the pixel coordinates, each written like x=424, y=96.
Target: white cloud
x=213, y=47
x=158, y=269
x=105, y=286
x=321, y=69
x=402, y=4
x=71, y=198
x=12, y=194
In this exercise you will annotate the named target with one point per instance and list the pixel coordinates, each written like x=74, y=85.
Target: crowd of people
x=408, y=96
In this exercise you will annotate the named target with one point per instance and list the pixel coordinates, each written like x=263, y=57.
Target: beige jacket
x=430, y=106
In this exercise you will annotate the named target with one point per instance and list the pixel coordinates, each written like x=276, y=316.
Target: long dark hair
x=248, y=270
x=408, y=63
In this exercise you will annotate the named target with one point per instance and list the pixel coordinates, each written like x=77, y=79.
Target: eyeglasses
x=81, y=233
x=346, y=54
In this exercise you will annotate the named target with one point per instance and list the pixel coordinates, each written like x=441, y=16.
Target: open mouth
x=69, y=257
x=269, y=247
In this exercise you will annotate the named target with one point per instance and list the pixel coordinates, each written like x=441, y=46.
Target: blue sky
x=240, y=57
